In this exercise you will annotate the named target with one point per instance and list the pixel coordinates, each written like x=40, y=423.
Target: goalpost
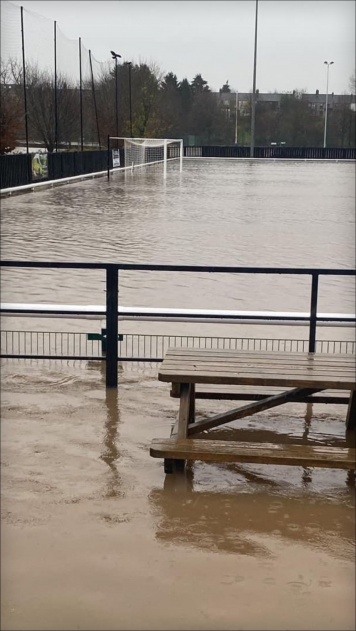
x=139, y=152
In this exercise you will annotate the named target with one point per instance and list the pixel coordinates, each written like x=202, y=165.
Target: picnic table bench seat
x=268, y=380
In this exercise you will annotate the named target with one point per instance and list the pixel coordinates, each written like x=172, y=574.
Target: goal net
x=139, y=152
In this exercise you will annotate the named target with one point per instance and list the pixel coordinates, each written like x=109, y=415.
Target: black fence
x=292, y=153
x=21, y=169
x=111, y=271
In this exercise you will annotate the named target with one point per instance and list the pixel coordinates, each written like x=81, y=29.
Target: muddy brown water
x=94, y=534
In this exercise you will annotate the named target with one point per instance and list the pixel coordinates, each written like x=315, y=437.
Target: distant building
x=240, y=101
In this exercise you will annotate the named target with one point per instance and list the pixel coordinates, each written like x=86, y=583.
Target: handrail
x=169, y=314
x=154, y=267
x=112, y=288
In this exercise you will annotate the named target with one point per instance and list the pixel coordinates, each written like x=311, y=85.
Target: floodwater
x=94, y=534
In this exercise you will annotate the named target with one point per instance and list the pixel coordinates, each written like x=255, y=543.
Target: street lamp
x=115, y=56
x=129, y=64
x=328, y=63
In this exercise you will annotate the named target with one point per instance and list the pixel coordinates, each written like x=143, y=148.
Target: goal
x=139, y=152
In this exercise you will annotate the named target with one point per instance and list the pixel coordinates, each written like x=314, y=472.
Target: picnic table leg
x=186, y=416
x=351, y=411
x=192, y=404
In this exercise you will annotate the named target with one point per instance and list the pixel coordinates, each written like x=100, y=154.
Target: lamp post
x=328, y=63
x=115, y=56
x=129, y=64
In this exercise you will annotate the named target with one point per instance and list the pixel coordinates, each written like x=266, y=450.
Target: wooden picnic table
x=292, y=377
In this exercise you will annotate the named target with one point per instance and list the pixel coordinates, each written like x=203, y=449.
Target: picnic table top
x=217, y=366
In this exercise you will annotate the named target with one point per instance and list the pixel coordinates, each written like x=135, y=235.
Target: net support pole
x=108, y=158
x=55, y=89
x=181, y=156
x=164, y=159
x=81, y=95
x=24, y=78
x=94, y=98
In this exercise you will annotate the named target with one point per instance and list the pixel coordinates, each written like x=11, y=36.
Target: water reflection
x=110, y=453
x=234, y=521
x=267, y=500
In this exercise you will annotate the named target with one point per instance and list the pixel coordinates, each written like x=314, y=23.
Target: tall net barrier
x=95, y=95
x=12, y=94
x=58, y=97
x=68, y=91
x=10, y=31
x=57, y=83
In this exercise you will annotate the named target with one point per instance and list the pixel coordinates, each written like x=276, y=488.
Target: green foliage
x=161, y=106
x=199, y=85
x=225, y=89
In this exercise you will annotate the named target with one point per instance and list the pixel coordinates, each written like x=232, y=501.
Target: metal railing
x=143, y=347
x=112, y=292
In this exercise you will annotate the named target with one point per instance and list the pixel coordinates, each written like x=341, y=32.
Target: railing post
x=108, y=158
x=112, y=293
x=313, y=312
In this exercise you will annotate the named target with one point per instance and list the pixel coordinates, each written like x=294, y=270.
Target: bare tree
x=11, y=110
x=41, y=108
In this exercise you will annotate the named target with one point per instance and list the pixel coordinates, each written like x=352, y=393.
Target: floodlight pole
x=328, y=63
x=253, y=109
x=236, y=110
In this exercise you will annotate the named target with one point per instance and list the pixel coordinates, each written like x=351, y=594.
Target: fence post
x=108, y=158
x=112, y=291
x=313, y=312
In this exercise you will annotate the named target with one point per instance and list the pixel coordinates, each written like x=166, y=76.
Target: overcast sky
x=216, y=38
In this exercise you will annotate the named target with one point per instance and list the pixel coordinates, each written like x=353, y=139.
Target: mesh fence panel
x=54, y=58
x=10, y=30
x=39, y=42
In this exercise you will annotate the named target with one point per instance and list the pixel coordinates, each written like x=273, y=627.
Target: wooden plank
x=245, y=410
x=250, y=362
x=257, y=396
x=258, y=453
x=217, y=389
x=184, y=410
x=175, y=390
x=323, y=383
x=253, y=361
x=238, y=375
x=260, y=355
x=351, y=412
x=192, y=404
x=256, y=393
x=182, y=368
x=220, y=367
x=256, y=361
